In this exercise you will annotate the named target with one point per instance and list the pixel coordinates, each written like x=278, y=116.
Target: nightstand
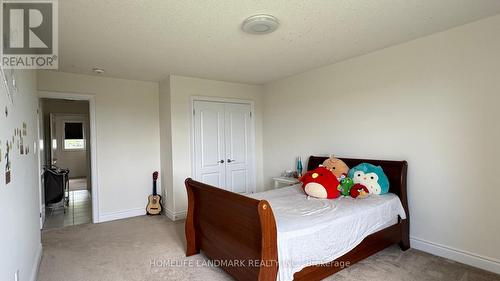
x=284, y=181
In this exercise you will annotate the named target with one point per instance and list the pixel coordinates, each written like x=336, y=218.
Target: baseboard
x=36, y=264
x=486, y=263
x=175, y=216
x=103, y=217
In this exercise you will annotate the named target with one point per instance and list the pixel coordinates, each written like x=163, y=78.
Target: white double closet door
x=223, y=149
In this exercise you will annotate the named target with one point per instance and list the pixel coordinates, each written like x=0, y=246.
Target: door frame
x=93, y=141
x=253, y=164
x=41, y=196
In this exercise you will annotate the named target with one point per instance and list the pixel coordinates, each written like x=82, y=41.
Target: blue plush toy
x=371, y=176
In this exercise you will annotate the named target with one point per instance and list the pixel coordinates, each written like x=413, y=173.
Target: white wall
x=434, y=102
x=181, y=91
x=128, y=141
x=166, y=147
x=20, y=247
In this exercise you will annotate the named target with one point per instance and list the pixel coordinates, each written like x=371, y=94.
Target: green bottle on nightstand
x=299, y=167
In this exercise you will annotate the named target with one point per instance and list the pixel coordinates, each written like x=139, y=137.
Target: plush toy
x=345, y=185
x=359, y=191
x=371, y=176
x=336, y=166
x=320, y=183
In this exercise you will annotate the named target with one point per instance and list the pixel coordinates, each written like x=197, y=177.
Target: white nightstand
x=284, y=181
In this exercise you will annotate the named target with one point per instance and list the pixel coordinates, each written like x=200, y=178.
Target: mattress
x=314, y=231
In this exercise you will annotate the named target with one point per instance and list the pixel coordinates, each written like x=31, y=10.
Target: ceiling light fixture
x=98, y=70
x=260, y=24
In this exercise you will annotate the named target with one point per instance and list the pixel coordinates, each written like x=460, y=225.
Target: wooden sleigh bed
x=240, y=232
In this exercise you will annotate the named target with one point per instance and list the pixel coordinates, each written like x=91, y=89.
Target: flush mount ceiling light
x=98, y=70
x=260, y=24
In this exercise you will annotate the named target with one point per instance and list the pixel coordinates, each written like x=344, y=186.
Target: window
x=73, y=136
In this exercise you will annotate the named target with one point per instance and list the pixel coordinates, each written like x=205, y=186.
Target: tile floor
x=78, y=212
x=78, y=184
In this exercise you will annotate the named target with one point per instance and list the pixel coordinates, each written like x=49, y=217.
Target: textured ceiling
x=150, y=39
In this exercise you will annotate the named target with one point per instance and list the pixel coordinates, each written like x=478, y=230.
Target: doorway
x=224, y=144
x=66, y=158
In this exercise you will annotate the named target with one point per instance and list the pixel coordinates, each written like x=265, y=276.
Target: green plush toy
x=345, y=185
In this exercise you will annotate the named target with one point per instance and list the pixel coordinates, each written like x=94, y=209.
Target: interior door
x=209, y=143
x=238, y=147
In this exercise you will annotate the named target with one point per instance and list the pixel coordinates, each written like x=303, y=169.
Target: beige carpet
x=125, y=250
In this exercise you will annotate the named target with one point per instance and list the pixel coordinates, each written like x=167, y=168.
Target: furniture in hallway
x=56, y=183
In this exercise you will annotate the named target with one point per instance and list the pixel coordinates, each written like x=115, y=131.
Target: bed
x=241, y=232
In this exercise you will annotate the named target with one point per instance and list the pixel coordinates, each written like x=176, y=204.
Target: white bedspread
x=315, y=231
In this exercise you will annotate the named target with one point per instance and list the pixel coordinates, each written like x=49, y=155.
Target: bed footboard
x=238, y=233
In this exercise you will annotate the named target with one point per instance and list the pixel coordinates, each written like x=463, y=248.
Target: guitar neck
x=154, y=188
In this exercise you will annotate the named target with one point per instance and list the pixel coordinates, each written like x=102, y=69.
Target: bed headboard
x=395, y=171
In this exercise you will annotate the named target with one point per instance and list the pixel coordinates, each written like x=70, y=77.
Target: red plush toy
x=359, y=191
x=320, y=183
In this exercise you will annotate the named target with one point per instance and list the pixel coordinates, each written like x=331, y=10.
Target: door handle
x=221, y=161
x=230, y=160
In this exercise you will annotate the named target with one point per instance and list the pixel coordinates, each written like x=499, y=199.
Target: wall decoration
x=8, y=81
x=8, y=164
x=7, y=177
x=21, y=141
x=18, y=138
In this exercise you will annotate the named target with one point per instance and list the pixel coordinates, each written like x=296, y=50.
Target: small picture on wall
x=7, y=177
x=21, y=144
x=8, y=164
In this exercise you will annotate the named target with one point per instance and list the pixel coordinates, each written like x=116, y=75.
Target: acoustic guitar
x=154, y=201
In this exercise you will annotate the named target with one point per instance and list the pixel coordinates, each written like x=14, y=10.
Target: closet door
x=239, y=151
x=209, y=143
